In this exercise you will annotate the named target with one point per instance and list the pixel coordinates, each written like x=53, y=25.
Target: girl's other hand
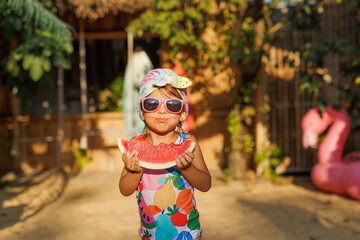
x=131, y=162
x=184, y=160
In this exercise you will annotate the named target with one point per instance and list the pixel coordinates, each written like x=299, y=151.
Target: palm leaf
x=34, y=12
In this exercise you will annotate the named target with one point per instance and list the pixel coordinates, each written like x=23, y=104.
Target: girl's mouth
x=161, y=119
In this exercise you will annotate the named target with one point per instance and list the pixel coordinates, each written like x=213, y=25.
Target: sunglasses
x=153, y=104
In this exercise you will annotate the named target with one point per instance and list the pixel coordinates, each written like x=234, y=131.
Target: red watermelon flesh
x=161, y=156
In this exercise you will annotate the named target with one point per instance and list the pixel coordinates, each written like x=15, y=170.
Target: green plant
x=268, y=161
x=82, y=159
x=315, y=76
x=240, y=139
x=214, y=31
x=33, y=40
x=227, y=175
x=110, y=99
x=234, y=127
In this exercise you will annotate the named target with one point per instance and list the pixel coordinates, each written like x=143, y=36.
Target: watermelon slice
x=161, y=156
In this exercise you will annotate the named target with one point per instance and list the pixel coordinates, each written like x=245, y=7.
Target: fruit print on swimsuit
x=147, y=220
x=184, y=235
x=164, y=229
x=177, y=218
x=184, y=201
x=193, y=222
x=182, y=218
x=165, y=197
x=175, y=177
x=146, y=236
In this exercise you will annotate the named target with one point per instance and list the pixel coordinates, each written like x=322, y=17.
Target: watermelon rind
x=155, y=166
x=121, y=147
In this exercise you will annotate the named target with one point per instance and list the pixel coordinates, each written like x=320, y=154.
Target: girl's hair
x=169, y=91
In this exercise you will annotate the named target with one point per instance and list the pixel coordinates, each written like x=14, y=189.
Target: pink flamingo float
x=332, y=173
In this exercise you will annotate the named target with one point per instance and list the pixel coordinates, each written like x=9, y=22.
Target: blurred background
x=69, y=68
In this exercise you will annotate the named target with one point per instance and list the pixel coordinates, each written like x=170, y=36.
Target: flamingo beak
x=309, y=139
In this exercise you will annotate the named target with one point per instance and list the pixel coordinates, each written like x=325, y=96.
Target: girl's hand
x=131, y=162
x=184, y=160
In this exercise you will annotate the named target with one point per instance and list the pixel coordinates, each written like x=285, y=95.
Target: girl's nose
x=162, y=108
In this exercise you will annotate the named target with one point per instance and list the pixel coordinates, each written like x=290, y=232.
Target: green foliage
x=33, y=41
x=111, y=98
x=239, y=137
x=315, y=76
x=234, y=127
x=240, y=119
x=270, y=160
x=306, y=15
x=82, y=159
x=184, y=24
x=40, y=13
x=227, y=175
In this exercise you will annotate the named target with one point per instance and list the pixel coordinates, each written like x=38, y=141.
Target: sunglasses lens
x=174, y=105
x=150, y=104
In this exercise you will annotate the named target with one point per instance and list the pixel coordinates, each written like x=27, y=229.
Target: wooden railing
x=35, y=149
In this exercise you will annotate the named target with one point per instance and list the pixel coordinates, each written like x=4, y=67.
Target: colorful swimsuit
x=167, y=205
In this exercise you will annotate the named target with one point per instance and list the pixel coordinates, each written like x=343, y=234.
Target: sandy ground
x=89, y=206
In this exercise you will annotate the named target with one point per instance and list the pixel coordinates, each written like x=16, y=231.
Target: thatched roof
x=94, y=9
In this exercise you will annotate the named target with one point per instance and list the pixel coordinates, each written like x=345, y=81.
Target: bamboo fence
x=288, y=104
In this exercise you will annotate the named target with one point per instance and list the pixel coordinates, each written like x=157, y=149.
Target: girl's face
x=161, y=121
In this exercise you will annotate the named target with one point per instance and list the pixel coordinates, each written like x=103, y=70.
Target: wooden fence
x=37, y=142
x=288, y=104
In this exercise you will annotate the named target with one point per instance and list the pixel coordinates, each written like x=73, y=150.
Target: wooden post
x=261, y=118
x=60, y=103
x=261, y=121
x=16, y=108
x=83, y=84
x=130, y=43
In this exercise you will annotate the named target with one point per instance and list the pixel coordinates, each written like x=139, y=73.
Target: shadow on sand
x=295, y=222
x=25, y=196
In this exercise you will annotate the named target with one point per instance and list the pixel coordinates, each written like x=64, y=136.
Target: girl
x=166, y=197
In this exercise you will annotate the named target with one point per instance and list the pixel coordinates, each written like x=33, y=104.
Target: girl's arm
x=131, y=174
x=194, y=169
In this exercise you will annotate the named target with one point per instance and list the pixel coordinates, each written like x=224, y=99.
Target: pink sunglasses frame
x=161, y=101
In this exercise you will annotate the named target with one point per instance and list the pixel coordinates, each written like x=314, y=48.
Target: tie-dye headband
x=160, y=77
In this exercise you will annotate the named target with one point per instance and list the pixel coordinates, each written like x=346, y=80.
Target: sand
x=88, y=205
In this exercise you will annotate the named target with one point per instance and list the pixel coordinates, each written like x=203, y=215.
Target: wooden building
x=101, y=46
